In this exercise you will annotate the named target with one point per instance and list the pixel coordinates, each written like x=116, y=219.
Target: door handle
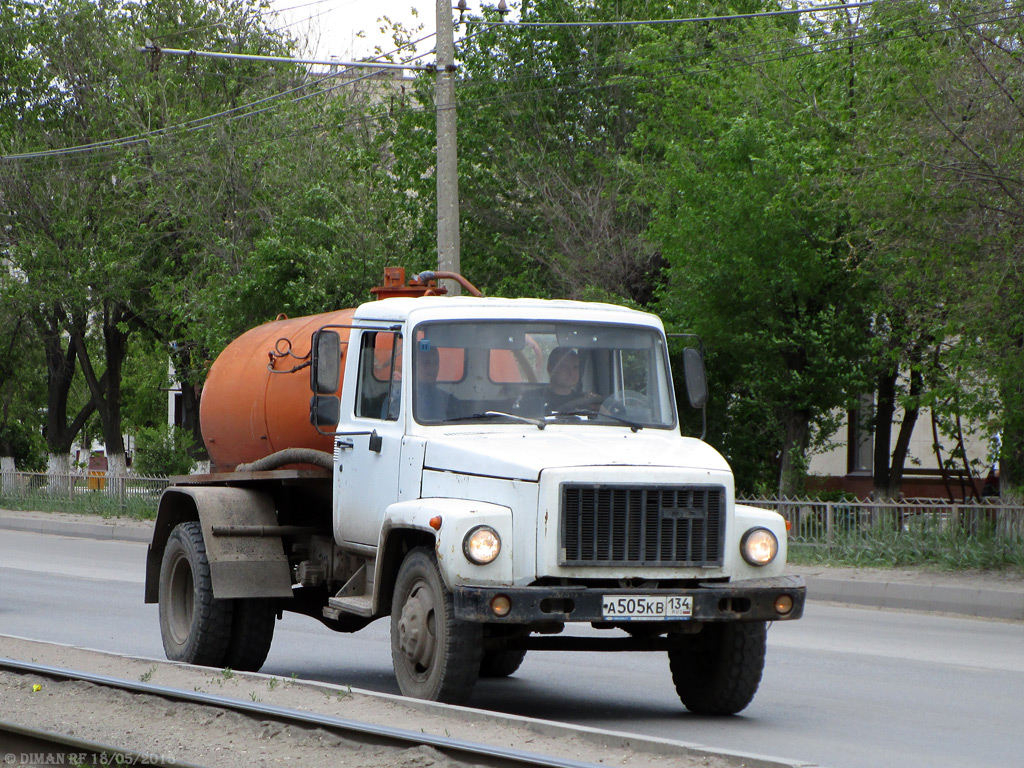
x=375, y=442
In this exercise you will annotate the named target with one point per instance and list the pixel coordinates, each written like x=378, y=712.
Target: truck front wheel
x=435, y=655
x=501, y=663
x=717, y=671
x=195, y=627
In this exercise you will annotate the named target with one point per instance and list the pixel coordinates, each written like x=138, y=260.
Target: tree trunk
x=1011, y=448
x=60, y=373
x=793, y=470
x=885, y=412
x=58, y=472
x=106, y=391
x=7, y=470
x=190, y=388
x=902, y=448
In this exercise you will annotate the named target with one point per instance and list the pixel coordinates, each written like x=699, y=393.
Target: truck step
x=361, y=605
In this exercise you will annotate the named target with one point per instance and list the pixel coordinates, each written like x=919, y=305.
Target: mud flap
x=240, y=566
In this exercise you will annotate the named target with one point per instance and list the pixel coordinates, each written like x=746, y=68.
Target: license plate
x=646, y=607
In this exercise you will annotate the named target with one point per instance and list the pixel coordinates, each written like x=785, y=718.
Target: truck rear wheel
x=195, y=627
x=252, y=632
x=435, y=655
x=718, y=670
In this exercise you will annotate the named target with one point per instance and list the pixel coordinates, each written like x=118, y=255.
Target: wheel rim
x=417, y=629
x=182, y=599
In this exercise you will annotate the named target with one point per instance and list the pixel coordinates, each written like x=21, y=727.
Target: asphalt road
x=843, y=687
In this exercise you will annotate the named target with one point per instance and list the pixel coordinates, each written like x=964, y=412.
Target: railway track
x=24, y=744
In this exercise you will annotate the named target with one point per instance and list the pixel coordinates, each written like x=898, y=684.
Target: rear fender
x=240, y=566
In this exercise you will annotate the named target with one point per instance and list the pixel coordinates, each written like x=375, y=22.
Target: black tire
x=436, y=656
x=500, y=663
x=252, y=632
x=195, y=627
x=718, y=670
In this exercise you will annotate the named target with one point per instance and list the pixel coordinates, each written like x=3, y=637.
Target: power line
x=151, y=48
x=234, y=113
x=788, y=48
x=764, y=57
x=652, y=22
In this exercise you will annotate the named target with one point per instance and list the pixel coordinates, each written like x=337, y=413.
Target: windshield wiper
x=538, y=423
x=590, y=412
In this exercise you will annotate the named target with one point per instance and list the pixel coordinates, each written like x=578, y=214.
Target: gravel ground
x=201, y=735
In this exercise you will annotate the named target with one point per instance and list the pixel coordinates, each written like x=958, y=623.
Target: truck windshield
x=541, y=372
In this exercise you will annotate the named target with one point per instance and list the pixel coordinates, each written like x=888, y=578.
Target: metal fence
x=829, y=523
x=82, y=492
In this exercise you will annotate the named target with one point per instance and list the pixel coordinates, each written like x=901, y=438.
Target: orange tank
x=251, y=405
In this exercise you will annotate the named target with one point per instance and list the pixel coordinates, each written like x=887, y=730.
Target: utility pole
x=447, y=156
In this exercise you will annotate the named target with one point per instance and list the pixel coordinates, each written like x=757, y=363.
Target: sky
x=332, y=25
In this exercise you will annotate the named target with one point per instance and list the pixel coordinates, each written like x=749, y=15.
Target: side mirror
x=325, y=368
x=325, y=412
x=696, y=380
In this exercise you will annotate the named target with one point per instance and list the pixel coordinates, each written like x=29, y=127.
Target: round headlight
x=481, y=545
x=759, y=546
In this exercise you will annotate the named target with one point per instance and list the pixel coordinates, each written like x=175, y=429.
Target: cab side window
x=379, y=381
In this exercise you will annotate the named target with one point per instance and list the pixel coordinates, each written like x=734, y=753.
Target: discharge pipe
x=289, y=456
x=425, y=277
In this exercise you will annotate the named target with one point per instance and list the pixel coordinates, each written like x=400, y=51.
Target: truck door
x=369, y=441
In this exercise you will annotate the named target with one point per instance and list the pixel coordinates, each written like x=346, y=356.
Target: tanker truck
x=496, y=476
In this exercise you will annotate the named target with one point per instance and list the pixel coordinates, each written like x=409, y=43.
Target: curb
x=111, y=530
x=599, y=737
x=966, y=601
x=596, y=738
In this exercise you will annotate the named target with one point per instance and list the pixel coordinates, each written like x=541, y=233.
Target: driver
x=431, y=403
x=562, y=390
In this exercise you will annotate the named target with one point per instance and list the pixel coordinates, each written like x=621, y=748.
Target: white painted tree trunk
x=58, y=464
x=7, y=470
x=116, y=465
x=117, y=470
x=58, y=471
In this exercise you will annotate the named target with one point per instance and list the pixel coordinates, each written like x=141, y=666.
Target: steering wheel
x=626, y=404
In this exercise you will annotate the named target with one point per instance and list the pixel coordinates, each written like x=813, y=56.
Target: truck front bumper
x=773, y=599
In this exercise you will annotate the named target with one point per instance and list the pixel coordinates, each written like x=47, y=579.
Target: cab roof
x=414, y=310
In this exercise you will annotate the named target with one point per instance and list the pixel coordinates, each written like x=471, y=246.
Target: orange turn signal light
x=435, y=522
x=783, y=604
x=500, y=605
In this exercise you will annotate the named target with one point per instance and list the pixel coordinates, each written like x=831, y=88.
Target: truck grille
x=634, y=525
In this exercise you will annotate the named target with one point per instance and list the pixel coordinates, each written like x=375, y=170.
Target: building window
x=860, y=441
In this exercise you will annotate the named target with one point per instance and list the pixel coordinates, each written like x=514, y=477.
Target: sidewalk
x=969, y=593
x=982, y=594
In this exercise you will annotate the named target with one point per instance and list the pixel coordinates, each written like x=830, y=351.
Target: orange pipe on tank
x=247, y=412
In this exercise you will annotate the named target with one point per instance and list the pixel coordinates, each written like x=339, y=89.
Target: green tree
x=547, y=205
x=22, y=385
x=163, y=451
x=757, y=266
x=98, y=235
x=749, y=220
x=933, y=178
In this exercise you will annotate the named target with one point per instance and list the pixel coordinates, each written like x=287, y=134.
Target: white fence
x=91, y=491
x=825, y=523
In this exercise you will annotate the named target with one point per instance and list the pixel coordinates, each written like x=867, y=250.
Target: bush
x=163, y=451
x=26, y=445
